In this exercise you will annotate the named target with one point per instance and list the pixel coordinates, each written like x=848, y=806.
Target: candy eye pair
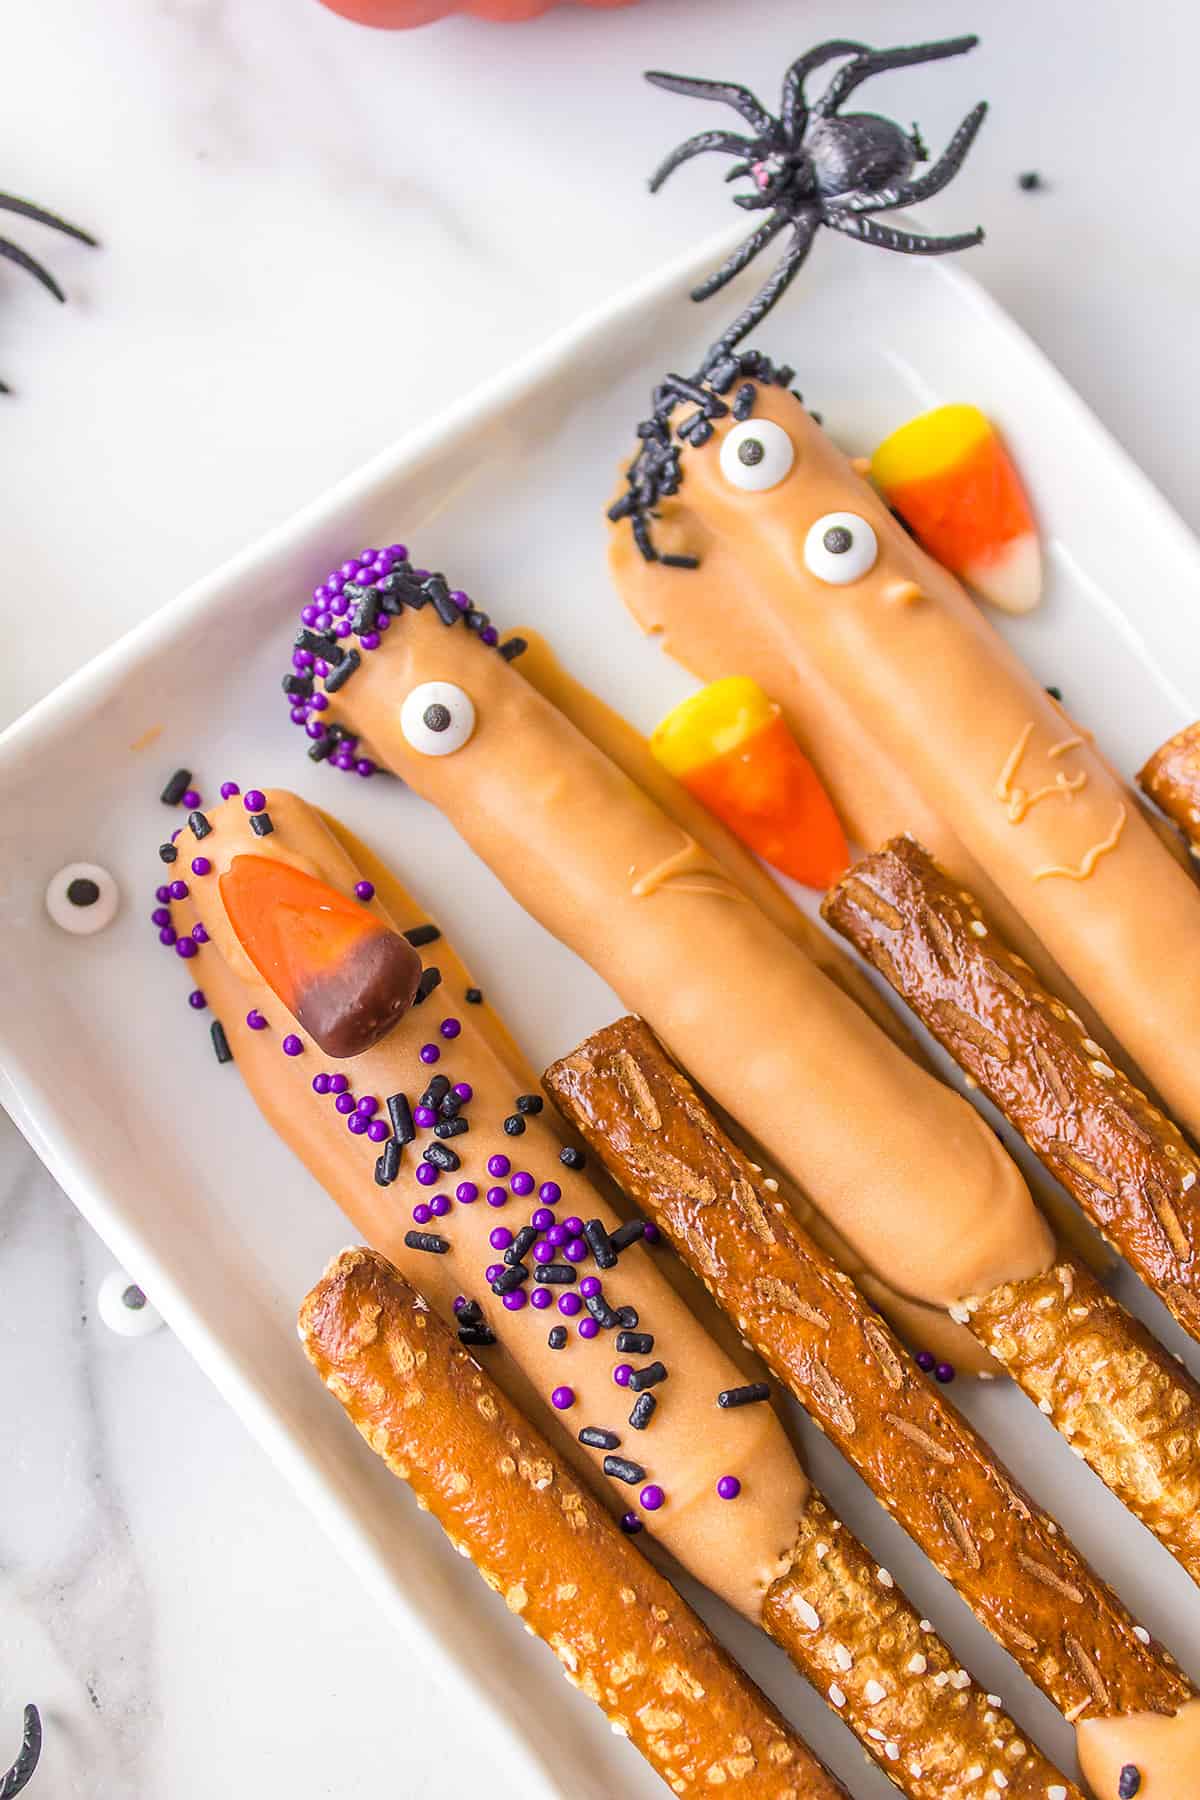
x=840, y=547
x=437, y=718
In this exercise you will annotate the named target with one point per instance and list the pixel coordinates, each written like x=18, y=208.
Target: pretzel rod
x=1012, y=1565
x=726, y=1492
x=505, y=1499
x=618, y=739
x=1171, y=778
x=906, y=652
x=1126, y=1164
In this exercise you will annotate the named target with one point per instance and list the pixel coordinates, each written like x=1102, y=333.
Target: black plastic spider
x=13, y=252
x=811, y=166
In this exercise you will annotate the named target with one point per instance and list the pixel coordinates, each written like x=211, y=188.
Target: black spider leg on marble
x=21, y=1772
x=793, y=109
x=21, y=259
x=875, y=62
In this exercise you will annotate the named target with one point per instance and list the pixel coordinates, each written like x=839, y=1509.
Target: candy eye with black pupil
x=756, y=454
x=437, y=718
x=82, y=899
x=840, y=548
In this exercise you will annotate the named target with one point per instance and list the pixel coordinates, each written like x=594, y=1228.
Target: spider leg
x=14, y=254
x=804, y=229
x=21, y=1772
x=738, y=169
x=793, y=112
x=754, y=202
x=935, y=178
x=886, y=237
x=729, y=92
x=745, y=253
x=727, y=142
x=873, y=62
x=10, y=203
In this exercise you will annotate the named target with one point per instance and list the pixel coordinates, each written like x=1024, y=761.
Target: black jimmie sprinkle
x=648, y=1377
x=400, y=1113
x=514, y=1125
x=555, y=1275
x=476, y=1336
x=339, y=676
x=387, y=1165
x=625, y=1235
x=522, y=1244
x=167, y=853
x=176, y=788
x=474, y=996
x=420, y=935
x=744, y=1396
x=427, y=1240
x=600, y=1244
x=509, y=1280
x=643, y=1411
x=628, y=1315
x=1130, y=1782
x=635, y=1343
x=602, y=1312
x=199, y=824
x=260, y=824
x=470, y=1313
x=621, y=1469
x=596, y=1438
x=430, y=978
x=442, y=1157
x=571, y=1158
x=220, y=1042
x=450, y=1128
x=557, y=1339
x=436, y=1092
x=530, y=1103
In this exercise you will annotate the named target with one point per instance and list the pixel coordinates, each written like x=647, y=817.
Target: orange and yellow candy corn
x=339, y=970
x=729, y=747
x=953, y=483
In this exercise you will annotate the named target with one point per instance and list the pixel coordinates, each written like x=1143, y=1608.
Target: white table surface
x=313, y=236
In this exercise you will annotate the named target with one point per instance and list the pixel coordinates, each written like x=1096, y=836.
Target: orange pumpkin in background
x=401, y=15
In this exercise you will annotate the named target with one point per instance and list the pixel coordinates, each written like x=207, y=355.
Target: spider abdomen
x=861, y=152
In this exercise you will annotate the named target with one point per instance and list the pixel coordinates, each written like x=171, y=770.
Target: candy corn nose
x=341, y=973
x=949, y=476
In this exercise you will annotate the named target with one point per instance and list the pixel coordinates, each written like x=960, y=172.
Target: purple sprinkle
x=201, y=865
x=379, y=1131
x=461, y=600
x=493, y=1272
x=466, y=1192
x=729, y=1487
x=161, y=916
x=498, y=1166
x=370, y=639
x=514, y=1301
x=425, y=1117
x=421, y=1213
x=630, y=1524
x=621, y=1374
x=500, y=1238
x=542, y=1219
x=302, y=659
x=557, y=1236
x=543, y=1253
x=314, y=729
x=430, y=1053
x=186, y=947
x=254, y=800
x=497, y=1197
x=562, y=1398
x=569, y=1305
x=229, y=789
x=944, y=1372
x=440, y=1205
x=522, y=1183
x=541, y=1297
x=926, y=1361
x=196, y=1000
x=368, y=556
x=368, y=1105
x=342, y=629
x=652, y=1497
x=179, y=890
x=199, y=933
x=573, y=1226
x=651, y=1234
x=167, y=935
x=463, y=1091
x=292, y=1045
x=162, y=894
x=589, y=1287
x=458, y=1302
x=189, y=800
x=489, y=635
x=338, y=1084
x=350, y=569
x=335, y=581
x=399, y=551
x=345, y=1103
x=318, y=703
x=364, y=890
x=575, y=1251
x=175, y=833
x=364, y=767
x=320, y=1083
x=588, y=1328
x=323, y=621
x=449, y=1028
x=339, y=605
x=426, y=1174
x=356, y=1123
x=299, y=715
x=255, y=1020
x=550, y=1192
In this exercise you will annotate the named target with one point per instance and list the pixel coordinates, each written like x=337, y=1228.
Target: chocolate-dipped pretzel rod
x=1171, y=778
x=506, y=1499
x=1012, y=1565
x=603, y=1332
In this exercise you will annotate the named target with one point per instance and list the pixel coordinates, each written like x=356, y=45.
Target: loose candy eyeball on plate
x=124, y=1308
x=82, y=898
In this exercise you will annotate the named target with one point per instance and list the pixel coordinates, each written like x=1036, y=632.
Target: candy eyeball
x=82, y=898
x=841, y=548
x=756, y=455
x=124, y=1308
x=437, y=718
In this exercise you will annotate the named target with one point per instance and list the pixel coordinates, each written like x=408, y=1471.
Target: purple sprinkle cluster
x=329, y=612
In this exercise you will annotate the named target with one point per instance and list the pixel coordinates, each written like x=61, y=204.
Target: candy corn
x=341, y=973
x=953, y=483
x=729, y=747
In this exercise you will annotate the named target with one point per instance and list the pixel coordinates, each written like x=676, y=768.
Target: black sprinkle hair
x=809, y=167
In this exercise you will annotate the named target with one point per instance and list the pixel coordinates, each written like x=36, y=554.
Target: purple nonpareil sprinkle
x=229, y=789
x=318, y=703
x=315, y=729
x=550, y=1192
x=463, y=1091
x=430, y=1053
x=450, y=1028
x=421, y=1213
x=576, y=1251
x=185, y=947
x=364, y=890
x=557, y=1236
x=497, y=1196
x=926, y=1361
x=368, y=1106
x=466, y=1192
x=543, y=1252
x=369, y=640
x=562, y=1398
x=292, y=1045
x=541, y=1298
x=425, y=1117
x=167, y=935
x=630, y=1524
x=189, y=800
x=589, y=1286
x=588, y=1328
x=426, y=1174
x=944, y=1372
x=573, y=1226
x=338, y=1083
x=364, y=767
x=255, y=1020
x=458, y=1302
x=198, y=932
x=498, y=1166
x=542, y=1219
x=489, y=635
x=378, y=1131
x=254, y=800
x=569, y=1305
x=345, y=1103
x=440, y=1205
x=729, y=1487
x=493, y=1272
x=196, y=1000
x=621, y=1374
x=652, y=1234
x=179, y=890
x=652, y=1497
x=175, y=834
x=320, y=1084
x=299, y=715
x=357, y=1124
x=515, y=1301
x=161, y=916
x=201, y=865
x=162, y=894
x=500, y=1238
x=522, y=1183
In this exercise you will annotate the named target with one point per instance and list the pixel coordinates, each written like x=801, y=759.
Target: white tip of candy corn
x=1012, y=579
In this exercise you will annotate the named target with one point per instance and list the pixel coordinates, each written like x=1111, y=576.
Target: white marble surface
x=312, y=236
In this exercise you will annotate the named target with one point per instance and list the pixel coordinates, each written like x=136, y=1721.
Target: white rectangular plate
x=112, y=1079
